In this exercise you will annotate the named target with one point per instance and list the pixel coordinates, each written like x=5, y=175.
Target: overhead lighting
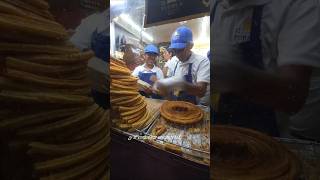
x=182, y=22
x=116, y=19
x=203, y=37
x=148, y=36
x=126, y=18
x=204, y=26
x=129, y=21
x=116, y=2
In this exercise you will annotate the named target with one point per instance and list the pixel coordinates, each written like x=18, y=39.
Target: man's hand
x=165, y=86
x=153, y=78
x=147, y=90
x=285, y=90
x=227, y=76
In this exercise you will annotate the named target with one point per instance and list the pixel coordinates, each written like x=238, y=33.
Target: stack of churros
x=125, y=98
x=46, y=114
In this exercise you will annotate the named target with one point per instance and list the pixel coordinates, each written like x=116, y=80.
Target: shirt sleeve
x=203, y=74
x=167, y=63
x=82, y=37
x=136, y=71
x=160, y=74
x=299, y=39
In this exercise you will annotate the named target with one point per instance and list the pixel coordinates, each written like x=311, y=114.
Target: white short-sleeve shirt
x=142, y=68
x=170, y=64
x=289, y=30
x=98, y=21
x=200, y=73
x=98, y=70
x=290, y=35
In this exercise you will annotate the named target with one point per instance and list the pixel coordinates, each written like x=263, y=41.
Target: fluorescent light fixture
x=204, y=27
x=148, y=36
x=203, y=38
x=116, y=2
x=116, y=19
x=126, y=18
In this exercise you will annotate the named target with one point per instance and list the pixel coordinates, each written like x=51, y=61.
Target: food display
x=47, y=115
x=188, y=140
x=159, y=130
x=181, y=112
x=125, y=98
x=238, y=151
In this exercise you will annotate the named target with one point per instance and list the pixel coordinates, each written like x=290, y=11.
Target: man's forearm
x=285, y=90
x=198, y=89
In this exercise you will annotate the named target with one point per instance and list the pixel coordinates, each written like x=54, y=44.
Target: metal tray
x=194, y=140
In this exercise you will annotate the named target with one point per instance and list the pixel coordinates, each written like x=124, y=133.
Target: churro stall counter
x=152, y=138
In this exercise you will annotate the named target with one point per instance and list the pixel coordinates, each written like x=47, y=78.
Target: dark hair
x=171, y=51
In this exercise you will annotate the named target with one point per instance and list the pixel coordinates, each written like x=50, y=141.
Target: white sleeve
x=299, y=39
x=167, y=63
x=82, y=37
x=159, y=74
x=136, y=71
x=203, y=74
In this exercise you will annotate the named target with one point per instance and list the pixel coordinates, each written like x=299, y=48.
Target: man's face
x=150, y=58
x=183, y=54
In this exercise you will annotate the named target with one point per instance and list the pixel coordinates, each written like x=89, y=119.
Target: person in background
x=149, y=72
x=190, y=79
x=171, y=60
x=93, y=34
x=266, y=60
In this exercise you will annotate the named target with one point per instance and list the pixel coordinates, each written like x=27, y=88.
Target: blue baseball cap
x=151, y=49
x=181, y=37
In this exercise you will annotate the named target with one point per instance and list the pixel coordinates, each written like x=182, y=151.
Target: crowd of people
x=185, y=75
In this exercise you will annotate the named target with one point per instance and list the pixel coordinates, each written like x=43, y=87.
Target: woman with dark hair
x=170, y=59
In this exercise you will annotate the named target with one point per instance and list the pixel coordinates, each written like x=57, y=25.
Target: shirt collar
x=190, y=60
x=153, y=69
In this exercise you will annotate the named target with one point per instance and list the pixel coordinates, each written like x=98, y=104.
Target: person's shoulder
x=94, y=18
x=199, y=58
x=89, y=19
x=174, y=59
x=280, y=7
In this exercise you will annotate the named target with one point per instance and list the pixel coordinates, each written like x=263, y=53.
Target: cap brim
x=154, y=53
x=178, y=45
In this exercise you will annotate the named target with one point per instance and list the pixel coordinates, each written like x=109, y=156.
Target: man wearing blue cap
x=191, y=74
x=149, y=72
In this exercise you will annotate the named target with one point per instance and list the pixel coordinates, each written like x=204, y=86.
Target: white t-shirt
x=170, y=64
x=98, y=21
x=142, y=68
x=200, y=73
x=290, y=36
x=98, y=69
